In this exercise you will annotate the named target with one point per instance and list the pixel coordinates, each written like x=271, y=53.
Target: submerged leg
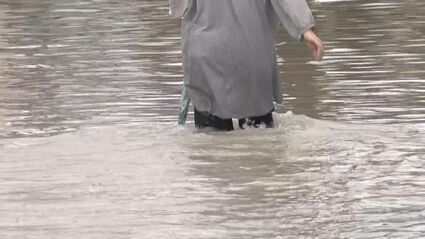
x=263, y=121
x=205, y=120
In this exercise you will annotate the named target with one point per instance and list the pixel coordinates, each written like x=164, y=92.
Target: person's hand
x=314, y=43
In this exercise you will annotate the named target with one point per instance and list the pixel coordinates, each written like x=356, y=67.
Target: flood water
x=89, y=146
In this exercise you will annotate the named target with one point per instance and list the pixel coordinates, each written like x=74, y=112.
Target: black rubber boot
x=205, y=120
x=257, y=122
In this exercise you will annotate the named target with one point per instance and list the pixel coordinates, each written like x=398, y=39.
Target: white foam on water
x=161, y=180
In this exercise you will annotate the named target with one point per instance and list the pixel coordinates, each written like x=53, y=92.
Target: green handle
x=184, y=105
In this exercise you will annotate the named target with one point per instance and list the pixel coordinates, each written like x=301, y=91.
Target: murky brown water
x=89, y=146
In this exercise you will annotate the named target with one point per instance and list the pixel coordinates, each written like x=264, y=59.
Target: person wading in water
x=229, y=56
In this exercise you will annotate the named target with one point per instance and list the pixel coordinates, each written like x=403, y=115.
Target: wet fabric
x=230, y=64
x=263, y=121
x=178, y=7
x=207, y=120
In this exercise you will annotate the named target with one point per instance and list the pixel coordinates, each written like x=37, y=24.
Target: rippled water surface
x=89, y=146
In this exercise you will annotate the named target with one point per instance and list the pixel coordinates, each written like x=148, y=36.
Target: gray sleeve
x=178, y=8
x=295, y=15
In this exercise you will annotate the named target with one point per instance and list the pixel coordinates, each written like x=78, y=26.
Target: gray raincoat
x=229, y=57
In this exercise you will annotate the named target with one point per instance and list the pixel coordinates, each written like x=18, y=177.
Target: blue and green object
x=184, y=105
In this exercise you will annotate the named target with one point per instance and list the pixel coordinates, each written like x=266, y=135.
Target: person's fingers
x=316, y=54
x=319, y=52
x=314, y=43
x=314, y=49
